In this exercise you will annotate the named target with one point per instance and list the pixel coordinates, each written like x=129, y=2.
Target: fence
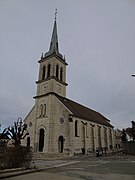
x=129, y=147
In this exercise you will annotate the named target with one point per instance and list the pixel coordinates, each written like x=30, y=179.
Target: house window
x=57, y=71
x=43, y=74
x=48, y=70
x=61, y=74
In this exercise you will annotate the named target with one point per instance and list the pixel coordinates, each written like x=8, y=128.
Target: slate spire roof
x=54, y=47
x=82, y=112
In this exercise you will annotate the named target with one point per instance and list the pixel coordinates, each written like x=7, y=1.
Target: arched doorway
x=41, y=139
x=61, y=144
x=28, y=141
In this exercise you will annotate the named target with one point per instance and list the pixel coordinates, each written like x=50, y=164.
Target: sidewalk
x=38, y=166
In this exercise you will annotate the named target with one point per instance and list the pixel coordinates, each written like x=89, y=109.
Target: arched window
x=87, y=130
x=48, y=70
x=57, y=71
x=92, y=138
x=99, y=136
x=105, y=136
x=61, y=74
x=76, y=128
x=110, y=138
x=43, y=74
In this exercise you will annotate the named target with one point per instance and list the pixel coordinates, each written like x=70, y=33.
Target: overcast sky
x=96, y=36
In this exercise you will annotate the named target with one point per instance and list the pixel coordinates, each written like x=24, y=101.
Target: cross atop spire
x=55, y=13
x=54, y=48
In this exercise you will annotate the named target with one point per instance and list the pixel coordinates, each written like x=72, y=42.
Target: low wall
x=14, y=157
x=129, y=147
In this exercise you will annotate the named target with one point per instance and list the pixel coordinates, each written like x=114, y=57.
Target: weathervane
x=55, y=13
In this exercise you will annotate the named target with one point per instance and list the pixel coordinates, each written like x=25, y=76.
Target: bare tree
x=16, y=132
x=123, y=136
x=133, y=130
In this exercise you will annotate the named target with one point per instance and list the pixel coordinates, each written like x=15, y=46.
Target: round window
x=61, y=120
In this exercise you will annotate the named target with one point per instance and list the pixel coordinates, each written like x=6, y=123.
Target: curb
x=16, y=172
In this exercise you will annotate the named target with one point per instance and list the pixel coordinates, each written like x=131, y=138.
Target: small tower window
x=57, y=71
x=61, y=74
x=44, y=110
x=41, y=110
x=57, y=46
x=48, y=70
x=43, y=74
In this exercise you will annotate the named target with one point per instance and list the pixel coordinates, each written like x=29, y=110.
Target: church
x=57, y=124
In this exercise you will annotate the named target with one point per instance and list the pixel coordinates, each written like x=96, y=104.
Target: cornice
x=53, y=55
x=51, y=77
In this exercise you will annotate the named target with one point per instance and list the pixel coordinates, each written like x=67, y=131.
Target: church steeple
x=52, y=70
x=54, y=47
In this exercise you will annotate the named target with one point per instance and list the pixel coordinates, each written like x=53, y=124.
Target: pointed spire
x=54, y=41
x=54, y=48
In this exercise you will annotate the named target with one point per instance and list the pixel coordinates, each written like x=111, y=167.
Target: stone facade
x=57, y=124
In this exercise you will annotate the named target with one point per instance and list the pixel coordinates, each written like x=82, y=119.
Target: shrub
x=15, y=157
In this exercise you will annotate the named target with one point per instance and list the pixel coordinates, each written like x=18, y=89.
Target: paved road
x=85, y=167
x=100, y=168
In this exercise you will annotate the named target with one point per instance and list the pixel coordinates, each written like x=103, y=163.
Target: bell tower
x=52, y=69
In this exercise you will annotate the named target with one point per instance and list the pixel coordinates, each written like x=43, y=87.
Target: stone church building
x=57, y=124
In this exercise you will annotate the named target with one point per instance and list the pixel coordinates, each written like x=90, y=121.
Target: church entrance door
x=28, y=141
x=41, y=139
x=61, y=144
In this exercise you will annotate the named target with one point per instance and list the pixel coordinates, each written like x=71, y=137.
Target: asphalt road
x=115, y=167
x=85, y=167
